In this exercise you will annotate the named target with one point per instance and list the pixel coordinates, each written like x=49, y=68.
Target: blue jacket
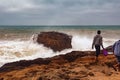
x=116, y=48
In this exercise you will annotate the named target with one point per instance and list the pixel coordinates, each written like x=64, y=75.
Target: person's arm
x=93, y=43
x=113, y=47
x=101, y=42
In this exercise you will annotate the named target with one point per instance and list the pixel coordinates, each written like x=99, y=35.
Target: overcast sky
x=59, y=12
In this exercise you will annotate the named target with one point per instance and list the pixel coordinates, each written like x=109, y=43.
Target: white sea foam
x=81, y=43
x=26, y=50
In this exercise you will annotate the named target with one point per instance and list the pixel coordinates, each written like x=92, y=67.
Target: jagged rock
x=60, y=59
x=55, y=40
x=70, y=66
x=23, y=64
x=109, y=48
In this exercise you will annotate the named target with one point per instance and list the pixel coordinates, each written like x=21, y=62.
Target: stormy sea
x=16, y=42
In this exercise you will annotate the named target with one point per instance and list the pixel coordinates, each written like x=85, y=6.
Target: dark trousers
x=97, y=47
x=118, y=59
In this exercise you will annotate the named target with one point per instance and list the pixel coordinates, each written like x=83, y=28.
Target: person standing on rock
x=97, y=43
x=116, y=51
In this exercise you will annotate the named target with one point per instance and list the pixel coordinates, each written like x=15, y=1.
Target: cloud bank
x=59, y=12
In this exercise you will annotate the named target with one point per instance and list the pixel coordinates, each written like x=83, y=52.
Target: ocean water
x=16, y=41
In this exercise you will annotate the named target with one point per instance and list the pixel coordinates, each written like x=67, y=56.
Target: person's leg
x=119, y=66
x=118, y=59
x=118, y=63
x=97, y=47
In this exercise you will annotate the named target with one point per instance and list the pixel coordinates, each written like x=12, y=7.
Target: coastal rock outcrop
x=55, y=40
x=76, y=65
x=60, y=59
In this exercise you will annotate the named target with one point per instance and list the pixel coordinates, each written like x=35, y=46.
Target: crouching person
x=116, y=51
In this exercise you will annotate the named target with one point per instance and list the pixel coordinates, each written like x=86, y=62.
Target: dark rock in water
x=23, y=63
x=70, y=57
x=109, y=48
x=60, y=59
x=55, y=40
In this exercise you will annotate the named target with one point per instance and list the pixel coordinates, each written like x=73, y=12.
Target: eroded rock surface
x=76, y=65
x=55, y=40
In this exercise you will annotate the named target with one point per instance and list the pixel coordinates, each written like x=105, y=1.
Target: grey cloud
x=45, y=12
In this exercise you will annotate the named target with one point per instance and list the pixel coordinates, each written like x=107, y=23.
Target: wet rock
x=76, y=54
x=109, y=48
x=61, y=59
x=55, y=40
x=23, y=64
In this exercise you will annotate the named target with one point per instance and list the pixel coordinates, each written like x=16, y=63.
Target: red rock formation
x=69, y=57
x=76, y=65
x=55, y=40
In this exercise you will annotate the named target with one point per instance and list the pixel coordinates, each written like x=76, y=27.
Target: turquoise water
x=25, y=32
x=115, y=27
